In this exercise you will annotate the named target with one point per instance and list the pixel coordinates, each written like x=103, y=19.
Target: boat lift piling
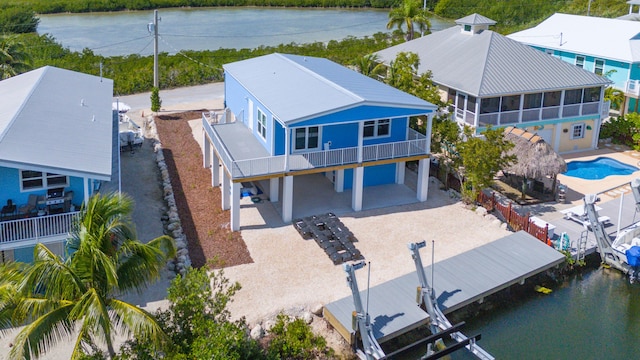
x=438, y=321
x=361, y=319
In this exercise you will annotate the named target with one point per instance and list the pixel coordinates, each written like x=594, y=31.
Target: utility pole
x=155, y=48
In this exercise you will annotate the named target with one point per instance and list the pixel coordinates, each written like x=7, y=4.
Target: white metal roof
x=614, y=39
x=296, y=88
x=489, y=64
x=58, y=121
x=475, y=19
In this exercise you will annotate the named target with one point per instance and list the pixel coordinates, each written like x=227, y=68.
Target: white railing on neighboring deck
x=633, y=87
x=36, y=228
x=416, y=145
x=545, y=113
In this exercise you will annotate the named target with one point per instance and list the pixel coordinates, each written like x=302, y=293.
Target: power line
x=119, y=43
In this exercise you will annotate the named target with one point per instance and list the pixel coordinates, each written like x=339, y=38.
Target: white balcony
x=266, y=165
x=545, y=113
x=632, y=88
x=30, y=231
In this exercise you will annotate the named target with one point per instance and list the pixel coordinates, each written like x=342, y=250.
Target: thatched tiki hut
x=536, y=160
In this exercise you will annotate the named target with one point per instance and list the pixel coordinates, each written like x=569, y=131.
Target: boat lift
x=361, y=319
x=608, y=255
x=438, y=321
x=439, y=325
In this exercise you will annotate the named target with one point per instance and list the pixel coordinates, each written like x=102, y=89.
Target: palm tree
x=14, y=59
x=616, y=97
x=76, y=298
x=411, y=14
x=369, y=65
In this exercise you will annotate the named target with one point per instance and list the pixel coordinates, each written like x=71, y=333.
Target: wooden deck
x=458, y=281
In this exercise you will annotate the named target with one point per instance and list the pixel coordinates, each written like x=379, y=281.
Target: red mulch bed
x=205, y=224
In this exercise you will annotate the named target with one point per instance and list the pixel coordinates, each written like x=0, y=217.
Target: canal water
x=124, y=33
x=595, y=315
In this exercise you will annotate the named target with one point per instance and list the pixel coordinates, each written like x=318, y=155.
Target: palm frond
x=130, y=319
x=93, y=312
x=140, y=264
x=42, y=334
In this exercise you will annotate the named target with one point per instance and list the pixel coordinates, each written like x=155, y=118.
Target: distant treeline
x=77, y=6
x=134, y=73
x=18, y=16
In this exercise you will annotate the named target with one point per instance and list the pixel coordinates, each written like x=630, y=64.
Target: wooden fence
x=515, y=220
x=452, y=180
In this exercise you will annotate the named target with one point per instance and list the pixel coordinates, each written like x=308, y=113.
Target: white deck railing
x=633, y=87
x=545, y=113
x=416, y=145
x=36, y=228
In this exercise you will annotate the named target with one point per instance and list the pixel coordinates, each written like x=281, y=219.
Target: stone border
x=171, y=221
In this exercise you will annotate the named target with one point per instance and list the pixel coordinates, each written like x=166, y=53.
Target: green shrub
x=293, y=339
x=622, y=130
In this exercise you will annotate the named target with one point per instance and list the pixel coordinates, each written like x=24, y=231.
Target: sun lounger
x=578, y=214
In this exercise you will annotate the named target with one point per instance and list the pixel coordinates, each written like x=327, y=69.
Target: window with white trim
x=577, y=131
x=599, y=67
x=262, y=124
x=36, y=180
x=307, y=138
x=376, y=128
x=580, y=61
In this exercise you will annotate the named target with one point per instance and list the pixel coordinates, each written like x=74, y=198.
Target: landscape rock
x=307, y=317
x=257, y=332
x=317, y=309
x=481, y=211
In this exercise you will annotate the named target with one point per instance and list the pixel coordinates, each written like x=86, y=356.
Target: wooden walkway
x=458, y=281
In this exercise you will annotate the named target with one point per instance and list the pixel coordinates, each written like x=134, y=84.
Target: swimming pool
x=598, y=168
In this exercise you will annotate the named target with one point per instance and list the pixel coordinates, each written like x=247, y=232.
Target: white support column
x=87, y=185
x=274, y=189
x=215, y=170
x=429, y=131
x=400, y=166
x=206, y=151
x=357, y=188
x=360, y=140
x=556, y=138
x=423, y=180
x=287, y=147
x=287, y=199
x=338, y=184
x=225, y=191
x=235, y=206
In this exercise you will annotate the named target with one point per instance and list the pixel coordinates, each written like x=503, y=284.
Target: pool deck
x=609, y=187
x=611, y=190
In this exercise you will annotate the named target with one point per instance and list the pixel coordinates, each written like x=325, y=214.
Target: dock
x=610, y=209
x=458, y=281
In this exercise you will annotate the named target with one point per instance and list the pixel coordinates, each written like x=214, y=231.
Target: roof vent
x=81, y=102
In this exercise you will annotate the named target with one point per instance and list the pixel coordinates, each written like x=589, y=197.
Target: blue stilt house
x=290, y=115
x=56, y=132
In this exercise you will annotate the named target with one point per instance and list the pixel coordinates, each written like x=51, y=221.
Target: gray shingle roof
x=58, y=121
x=489, y=64
x=296, y=88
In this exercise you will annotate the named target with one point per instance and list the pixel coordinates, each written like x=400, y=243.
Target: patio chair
x=30, y=206
x=9, y=209
x=68, y=198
